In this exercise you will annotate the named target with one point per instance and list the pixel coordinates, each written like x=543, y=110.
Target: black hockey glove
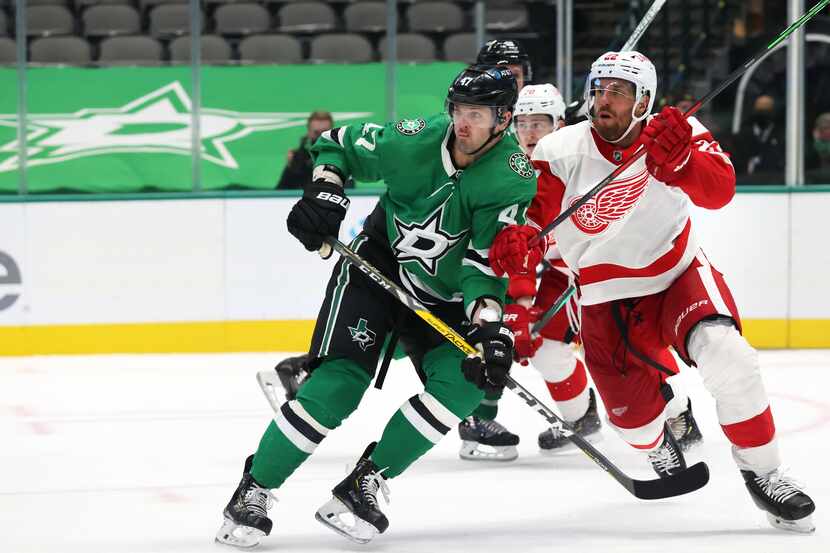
x=318, y=214
x=489, y=370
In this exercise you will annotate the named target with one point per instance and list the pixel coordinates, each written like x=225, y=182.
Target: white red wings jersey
x=635, y=237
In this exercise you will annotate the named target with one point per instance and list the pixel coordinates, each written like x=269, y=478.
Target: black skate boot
x=786, y=505
x=553, y=441
x=291, y=372
x=486, y=440
x=667, y=459
x=357, y=494
x=685, y=430
x=246, y=516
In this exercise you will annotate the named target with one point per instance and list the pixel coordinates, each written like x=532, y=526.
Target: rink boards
x=205, y=275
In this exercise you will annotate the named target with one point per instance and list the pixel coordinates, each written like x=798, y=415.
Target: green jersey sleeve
x=502, y=200
x=354, y=149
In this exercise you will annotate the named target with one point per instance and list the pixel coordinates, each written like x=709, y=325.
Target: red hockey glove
x=668, y=142
x=519, y=319
x=511, y=253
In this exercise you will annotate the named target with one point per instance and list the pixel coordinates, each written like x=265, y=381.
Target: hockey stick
x=632, y=41
x=734, y=76
x=689, y=480
x=640, y=29
x=554, y=309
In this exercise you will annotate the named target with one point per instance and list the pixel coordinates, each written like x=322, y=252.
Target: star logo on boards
x=158, y=122
x=425, y=243
x=362, y=335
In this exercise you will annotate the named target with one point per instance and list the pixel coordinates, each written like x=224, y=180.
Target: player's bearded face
x=472, y=126
x=613, y=102
x=531, y=129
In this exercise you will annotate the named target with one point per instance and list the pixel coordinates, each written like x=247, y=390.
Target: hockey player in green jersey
x=453, y=181
x=483, y=438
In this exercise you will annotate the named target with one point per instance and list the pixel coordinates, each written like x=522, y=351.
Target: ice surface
x=134, y=454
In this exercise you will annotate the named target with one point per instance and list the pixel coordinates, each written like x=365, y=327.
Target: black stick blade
x=687, y=481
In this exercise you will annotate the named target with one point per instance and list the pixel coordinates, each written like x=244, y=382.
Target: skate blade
x=235, y=535
x=474, y=451
x=269, y=382
x=802, y=526
x=359, y=531
x=569, y=447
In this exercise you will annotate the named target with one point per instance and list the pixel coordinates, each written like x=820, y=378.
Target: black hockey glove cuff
x=489, y=370
x=318, y=214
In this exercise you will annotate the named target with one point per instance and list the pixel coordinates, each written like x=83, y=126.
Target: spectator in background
x=298, y=167
x=818, y=160
x=759, y=147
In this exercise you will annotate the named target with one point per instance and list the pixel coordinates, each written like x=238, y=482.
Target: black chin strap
x=486, y=142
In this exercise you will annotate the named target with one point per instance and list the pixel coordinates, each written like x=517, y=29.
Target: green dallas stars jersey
x=440, y=221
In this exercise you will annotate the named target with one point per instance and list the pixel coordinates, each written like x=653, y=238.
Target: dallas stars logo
x=410, y=127
x=521, y=165
x=426, y=243
x=362, y=335
x=158, y=122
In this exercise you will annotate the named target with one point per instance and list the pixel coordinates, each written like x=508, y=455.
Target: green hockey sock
x=331, y=394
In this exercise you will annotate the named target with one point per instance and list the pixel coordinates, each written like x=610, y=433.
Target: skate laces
x=679, y=426
x=664, y=458
x=556, y=431
x=373, y=482
x=259, y=500
x=492, y=426
x=779, y=486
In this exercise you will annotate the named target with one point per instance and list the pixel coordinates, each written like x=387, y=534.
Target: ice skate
x=486, y=440
x=685, y=430
x=246, y=516
x=787, y=506
x=281, y=383
x=356, y=497
x=553, y=441
x=667, y=459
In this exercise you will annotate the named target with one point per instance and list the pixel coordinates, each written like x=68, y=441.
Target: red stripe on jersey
x=572, y=386
x=754, y=432
x=608, y=271
x=652, y=445
x=550, y=190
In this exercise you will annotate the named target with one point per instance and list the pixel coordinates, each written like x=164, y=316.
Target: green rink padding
x=128, y=129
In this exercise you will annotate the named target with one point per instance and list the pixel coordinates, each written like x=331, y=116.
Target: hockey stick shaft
x=643, y=489
x=641, y=27
x=734, y=76
x=554, y=309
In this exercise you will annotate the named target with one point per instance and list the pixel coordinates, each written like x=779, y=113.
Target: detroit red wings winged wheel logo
x=611, y=204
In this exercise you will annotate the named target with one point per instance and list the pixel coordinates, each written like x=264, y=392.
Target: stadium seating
x=214, y=49
x=130, y=50
x=270, y=49
x=412, y=47
x=341, y=48
x=111, y=20
x=428, y=30
x=71, y=50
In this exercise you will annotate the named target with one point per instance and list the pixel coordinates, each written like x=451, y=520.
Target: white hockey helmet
x=540, y=99
x=631, y=66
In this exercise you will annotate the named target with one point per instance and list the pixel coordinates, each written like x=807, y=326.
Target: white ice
x=134, y=454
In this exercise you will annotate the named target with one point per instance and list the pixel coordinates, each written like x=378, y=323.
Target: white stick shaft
x=640, y=30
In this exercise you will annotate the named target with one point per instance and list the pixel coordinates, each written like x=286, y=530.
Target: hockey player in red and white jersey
x=645, y=284
x=540, y=111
